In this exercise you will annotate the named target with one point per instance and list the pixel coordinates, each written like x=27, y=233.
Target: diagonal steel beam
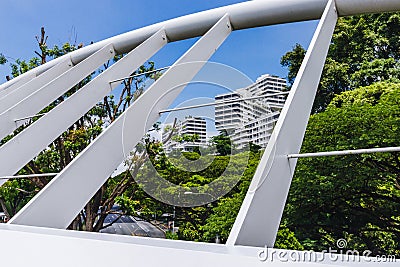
x=29, y=75
x=260, y=215
x=58, y=203
x=13, y=85
x=12, y=97
x=21, y=149
x=43, y=96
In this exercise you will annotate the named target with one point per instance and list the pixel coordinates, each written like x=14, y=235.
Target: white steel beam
x=43, y=96
x=244, y=15
x=57, y=204
x=358, y=7
x=16, y=84
x=22, y=148
x=13, y=97
x=260, y=215
x=27, y=76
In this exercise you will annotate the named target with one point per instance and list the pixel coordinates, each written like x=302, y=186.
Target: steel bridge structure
x=36, y=235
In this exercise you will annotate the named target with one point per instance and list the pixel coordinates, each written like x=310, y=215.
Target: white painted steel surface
x=58, y=203
x=259, y=217
x=21, y=149
x=27, y=76
x=42, y=97
x=13, y=97
x=23, y=246
x=16, y=83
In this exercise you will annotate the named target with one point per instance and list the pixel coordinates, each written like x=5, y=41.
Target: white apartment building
x=251, y=120
x=189, y=126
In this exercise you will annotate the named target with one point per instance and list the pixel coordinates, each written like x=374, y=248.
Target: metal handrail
x=28, y=176
x=345, y=152
x=220, y=102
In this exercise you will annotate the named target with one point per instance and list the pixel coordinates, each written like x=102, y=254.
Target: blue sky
x=253, y=52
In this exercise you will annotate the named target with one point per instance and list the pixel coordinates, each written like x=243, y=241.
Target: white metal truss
x=31, y=231
x=270, y=185
x=42, y=97
x=22, y=148
x=24, y=78
x=13, y=85
x=12, y=97
x=50, y=204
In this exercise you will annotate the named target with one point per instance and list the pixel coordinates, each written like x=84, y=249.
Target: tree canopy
x=364, y=50
x=356, y=197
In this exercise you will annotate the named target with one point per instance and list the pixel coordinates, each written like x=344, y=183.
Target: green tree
x=222, y=143
x=3, y=59
x=14, y=195
x=224, y=215
x=224, y=212
x=356, y=197
x=364, y=50
x=292, y=60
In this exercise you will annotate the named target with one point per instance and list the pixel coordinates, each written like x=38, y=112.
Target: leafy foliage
x=356, y=197
x=13, y=197
x=292, y=60
x=364, y=50
x=223, y=143
x=3, y=59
